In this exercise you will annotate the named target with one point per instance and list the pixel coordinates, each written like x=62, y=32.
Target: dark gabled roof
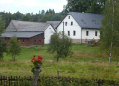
x=20, y=34
x=54, y=23
x=87, y=20
x=16, y=25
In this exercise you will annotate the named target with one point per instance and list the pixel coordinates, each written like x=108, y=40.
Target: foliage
x=109, y=38
x=3, y=47
x=61, y=45
x=90, y=6
x=14, y=47
x=36, y=62
x=43, y=16
x=3, y=43
x=61, y=81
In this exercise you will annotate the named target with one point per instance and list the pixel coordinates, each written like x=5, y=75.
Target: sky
x=29, y=6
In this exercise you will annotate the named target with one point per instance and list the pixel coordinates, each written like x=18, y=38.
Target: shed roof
x=87, y=20
x=16, y=25
x=20, y=34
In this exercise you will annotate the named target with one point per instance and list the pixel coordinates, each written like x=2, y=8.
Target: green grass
x=86, y=62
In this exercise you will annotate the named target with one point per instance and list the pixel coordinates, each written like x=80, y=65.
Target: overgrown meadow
x=86, y=62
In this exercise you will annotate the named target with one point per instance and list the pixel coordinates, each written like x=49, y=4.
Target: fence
x=13, y=80
x=50, y=81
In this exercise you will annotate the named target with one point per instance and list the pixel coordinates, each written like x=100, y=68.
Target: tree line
x=42, y=16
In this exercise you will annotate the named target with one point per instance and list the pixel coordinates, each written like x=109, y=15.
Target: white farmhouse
x=81, y=27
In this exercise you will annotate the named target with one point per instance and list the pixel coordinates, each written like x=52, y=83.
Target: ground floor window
x=95, y=33
x=39, y=41
x=23, y=41
x=87, y=33
x=68, y=33
x=74, y=33
x=34, y=41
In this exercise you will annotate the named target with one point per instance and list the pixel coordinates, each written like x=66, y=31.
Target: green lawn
x=86, y=62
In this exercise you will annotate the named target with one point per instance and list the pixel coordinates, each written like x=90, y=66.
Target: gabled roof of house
x=87, y=20
x=54, y=23
x=20, y=34
x=16, y=25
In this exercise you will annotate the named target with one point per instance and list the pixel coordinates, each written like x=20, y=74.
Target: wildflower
x=31, y=65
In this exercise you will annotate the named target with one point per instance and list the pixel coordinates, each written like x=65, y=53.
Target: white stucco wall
x=91, y=34
x=47, y=34
x=75, y=27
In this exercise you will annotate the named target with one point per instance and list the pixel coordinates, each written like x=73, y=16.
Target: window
x=94, y=21
x=74, y=33
x=83, y=21
x=34, y=41
x=68, y=33
x=71, y=23
x=65, y=23
x=69, y=17
x=95, y=33
x=39, y=41
x=87, y=33
x=23, y=41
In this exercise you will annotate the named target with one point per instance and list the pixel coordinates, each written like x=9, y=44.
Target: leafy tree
x=109, y=39
x=14, y=47
x=2, y=41
x=91, y=6
x=3, y=47
x=60, y=46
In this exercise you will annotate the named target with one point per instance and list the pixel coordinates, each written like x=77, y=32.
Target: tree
x=3, y=43
x=14, y=47
x=109, y=38
x=60, y=46
x=91, y=6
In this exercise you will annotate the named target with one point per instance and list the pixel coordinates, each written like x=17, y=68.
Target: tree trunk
x=110, y=53
x=35, y=77
x=57, y=59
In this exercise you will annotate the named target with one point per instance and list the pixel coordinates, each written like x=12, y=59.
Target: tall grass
x=86, y=62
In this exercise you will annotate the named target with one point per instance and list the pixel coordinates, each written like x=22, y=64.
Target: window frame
x=87, y=33
x=74, y=33
x=39, y=41
x=34, y=41
x=23, y=41
x=65, y=23
x=68, y=33
x=71, y=23
x=96, y=33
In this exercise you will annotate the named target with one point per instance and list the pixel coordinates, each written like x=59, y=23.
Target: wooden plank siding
x=35, y=40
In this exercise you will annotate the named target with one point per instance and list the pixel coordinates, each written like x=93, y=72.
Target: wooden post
x=57, y=74
x=35, y=77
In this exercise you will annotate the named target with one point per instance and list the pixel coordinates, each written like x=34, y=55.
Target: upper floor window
x=87, y=33
x=65, y=23
x=74, y=33
x=68, y=33
x=69, y=17
x=95, y=33
x=71, y=23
